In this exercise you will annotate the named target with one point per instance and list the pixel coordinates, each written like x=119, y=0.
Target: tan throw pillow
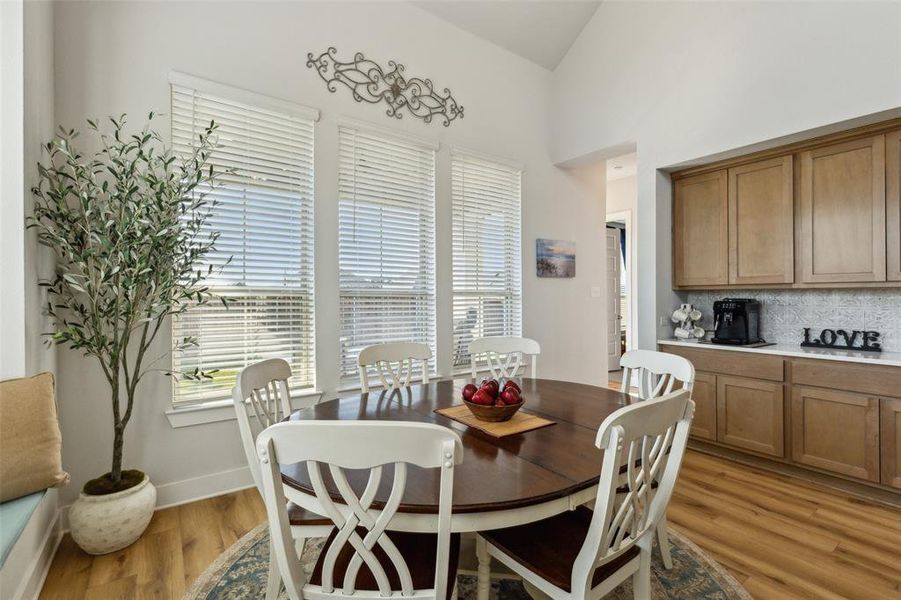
x=30, y=440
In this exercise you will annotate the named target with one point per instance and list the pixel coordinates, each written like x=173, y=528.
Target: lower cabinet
x=890, y=434
x=750, y=414
x=704, y=395
x=836, y=431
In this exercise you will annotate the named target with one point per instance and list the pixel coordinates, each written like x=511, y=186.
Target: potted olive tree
x=126, y=225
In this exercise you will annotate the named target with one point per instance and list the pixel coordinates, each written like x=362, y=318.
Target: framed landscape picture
x=555, y=258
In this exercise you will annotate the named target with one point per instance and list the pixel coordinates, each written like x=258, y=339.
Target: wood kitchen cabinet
x=750, y=414
x=890, y=439
x=701, y=230
x=836, y=431
x=893, y=205
x=761, y=222
x=842, y=212
x=704, y=395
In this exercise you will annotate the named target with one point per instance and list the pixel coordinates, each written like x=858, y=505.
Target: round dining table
x=501, y=482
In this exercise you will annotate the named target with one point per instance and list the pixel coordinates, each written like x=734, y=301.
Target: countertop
x=892, y=359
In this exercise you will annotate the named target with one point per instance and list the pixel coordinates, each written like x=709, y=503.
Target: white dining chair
x=261, y=398
x=504, y=355
x=393, y=361
x=654, y=374
x=362, y=558
x=587, y=553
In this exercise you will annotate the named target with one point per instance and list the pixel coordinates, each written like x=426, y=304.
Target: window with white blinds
x=264, y=218
x=487, y=285
x=386, y=241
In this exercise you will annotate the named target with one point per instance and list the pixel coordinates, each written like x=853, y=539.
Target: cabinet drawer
x=730, y=362
x=750, y=414
x=853, y=377
x=836, y=431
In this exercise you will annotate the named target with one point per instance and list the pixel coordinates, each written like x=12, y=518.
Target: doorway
x=622, y=200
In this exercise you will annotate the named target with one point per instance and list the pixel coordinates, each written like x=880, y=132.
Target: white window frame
x=348, y=379
x=512, y=288
x=218, y=407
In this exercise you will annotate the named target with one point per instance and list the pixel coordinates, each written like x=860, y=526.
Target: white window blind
x=386, y=242
x=487, y=286
x=265, y=220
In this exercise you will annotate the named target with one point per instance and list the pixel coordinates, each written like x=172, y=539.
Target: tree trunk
x=118, y=439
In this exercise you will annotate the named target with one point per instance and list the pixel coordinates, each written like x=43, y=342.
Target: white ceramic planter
x=103, y=524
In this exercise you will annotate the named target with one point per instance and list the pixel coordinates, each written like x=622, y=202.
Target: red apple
x=469, y=390
x=483, y=397
x=510, y=396
x=500, y=402
x=492, y=383
x=512, y=384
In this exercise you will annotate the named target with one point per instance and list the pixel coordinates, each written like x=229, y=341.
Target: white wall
x=115, y=57
x=622, y=194
x=39, y=127
x=12, y=215
x=27, y=55
x=687, y=80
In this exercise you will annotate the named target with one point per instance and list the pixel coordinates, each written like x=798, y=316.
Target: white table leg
x=484, y=581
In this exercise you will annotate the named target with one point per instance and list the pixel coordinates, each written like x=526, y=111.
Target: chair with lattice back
x=587, y=553
x=261, y=398
x=504, y=355
x=363, y=558
x=393, y=361
x=652, y=374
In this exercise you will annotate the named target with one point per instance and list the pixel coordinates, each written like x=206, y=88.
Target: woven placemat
x=520, y=423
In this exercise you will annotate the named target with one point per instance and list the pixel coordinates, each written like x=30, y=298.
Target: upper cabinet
x=761, y=222
x=701, y=230
x=893, y=205
x=821, y=213
x=842, y=236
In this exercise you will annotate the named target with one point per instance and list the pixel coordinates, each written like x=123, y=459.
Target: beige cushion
x=30, y=440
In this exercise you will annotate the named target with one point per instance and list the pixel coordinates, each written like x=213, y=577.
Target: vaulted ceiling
x=539, y=30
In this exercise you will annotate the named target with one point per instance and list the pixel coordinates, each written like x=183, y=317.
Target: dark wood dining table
x=502, y=481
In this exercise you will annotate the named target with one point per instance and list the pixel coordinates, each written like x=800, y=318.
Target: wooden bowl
x=493, y=414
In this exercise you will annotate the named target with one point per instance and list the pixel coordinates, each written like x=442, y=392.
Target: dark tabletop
x=497, y=473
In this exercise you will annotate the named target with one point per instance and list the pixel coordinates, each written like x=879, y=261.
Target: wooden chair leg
x=484, y=581
x=663, y=544
x=274, y=583
x=641, y=579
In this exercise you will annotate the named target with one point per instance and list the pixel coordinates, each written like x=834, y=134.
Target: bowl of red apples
x=492, y=401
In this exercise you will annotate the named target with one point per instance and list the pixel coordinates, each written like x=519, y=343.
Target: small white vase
x=104, y=524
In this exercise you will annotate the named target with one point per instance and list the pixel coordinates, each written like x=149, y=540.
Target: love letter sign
x=839, y=338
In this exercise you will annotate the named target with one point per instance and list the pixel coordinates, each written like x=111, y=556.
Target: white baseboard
x=190, y=490
x=26, y=567
x=205, y=486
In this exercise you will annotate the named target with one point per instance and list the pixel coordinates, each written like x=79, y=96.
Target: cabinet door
x=890, y=439
x=749, y=414
x=836, y=431
x=761, y=222
x=893, y=205
x=704, y=395
x=701, y=230
x=843, y=212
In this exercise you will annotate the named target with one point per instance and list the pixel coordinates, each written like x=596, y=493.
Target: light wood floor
x=782, y=538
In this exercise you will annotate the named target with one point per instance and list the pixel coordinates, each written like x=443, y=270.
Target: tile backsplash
x=785, y=313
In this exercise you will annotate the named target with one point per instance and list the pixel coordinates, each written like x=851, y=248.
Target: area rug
x=241, y=571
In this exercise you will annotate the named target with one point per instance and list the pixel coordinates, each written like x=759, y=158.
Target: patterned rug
x=241, y=571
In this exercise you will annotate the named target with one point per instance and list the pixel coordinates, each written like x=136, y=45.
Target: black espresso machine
x=736, y=321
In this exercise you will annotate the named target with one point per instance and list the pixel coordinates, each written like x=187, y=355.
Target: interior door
x=614, y=309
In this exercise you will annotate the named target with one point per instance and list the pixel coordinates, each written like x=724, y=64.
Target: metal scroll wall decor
x=368, y=82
